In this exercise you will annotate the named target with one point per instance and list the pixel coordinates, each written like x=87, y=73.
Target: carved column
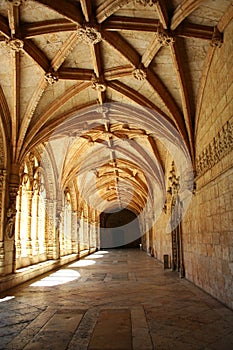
x=10, y=217
x=37, y=198
x=58, y=230
x=29, y=223
x=18, y=223
x=51, y=230
x=74, y=238
x=2, y=205
x=182, y=269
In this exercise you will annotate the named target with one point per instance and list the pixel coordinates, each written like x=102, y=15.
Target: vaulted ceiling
x=108, y=85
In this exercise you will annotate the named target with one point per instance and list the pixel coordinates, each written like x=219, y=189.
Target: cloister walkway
x=113, y=300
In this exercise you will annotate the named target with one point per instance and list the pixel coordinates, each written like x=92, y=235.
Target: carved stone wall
x=218, y=148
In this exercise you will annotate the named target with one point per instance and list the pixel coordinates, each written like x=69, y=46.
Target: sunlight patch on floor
x=57, y=278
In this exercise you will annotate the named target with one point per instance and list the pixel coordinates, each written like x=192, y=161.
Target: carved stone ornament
x=89, y=35
x=217, y=39
x=11, y=213
x=97, y=84
x=147, y=2
x=51, y=77
x=220, y=146
x=163, y=37
x=16, y=2
x=15, y=44
x=2, y=177
x=139, y=73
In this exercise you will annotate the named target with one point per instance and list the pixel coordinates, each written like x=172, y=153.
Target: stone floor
x=113, y=300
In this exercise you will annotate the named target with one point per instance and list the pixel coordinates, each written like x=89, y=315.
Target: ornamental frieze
x=220, y=146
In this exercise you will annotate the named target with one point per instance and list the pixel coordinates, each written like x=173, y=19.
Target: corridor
x=113, y=300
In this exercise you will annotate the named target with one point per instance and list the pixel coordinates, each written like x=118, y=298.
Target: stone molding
x=147, y=2
x=218, y=148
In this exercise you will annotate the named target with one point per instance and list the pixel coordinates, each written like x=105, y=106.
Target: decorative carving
x=220, y=146
x=16, y=2
x=98, y=84
x=14, y=44
x=2, y=178
x=11, y=212
x=139, y=73
x=51, y=77
x=163, y=37
x=89, y=35
x=217, y=38
x=147, y=2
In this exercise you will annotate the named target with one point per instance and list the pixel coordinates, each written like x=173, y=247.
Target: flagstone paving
x=113, y=300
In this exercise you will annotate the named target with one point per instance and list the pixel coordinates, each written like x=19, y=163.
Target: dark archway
x=119, y=229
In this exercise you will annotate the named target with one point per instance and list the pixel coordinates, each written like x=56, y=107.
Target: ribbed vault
x=110, y=88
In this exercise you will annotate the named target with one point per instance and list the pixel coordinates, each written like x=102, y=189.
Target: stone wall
x=208, y=224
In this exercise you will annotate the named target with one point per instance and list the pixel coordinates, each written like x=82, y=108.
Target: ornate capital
x=217, y=39
x=89, y=35
x=139, y=73
x=51, y=77
x=14, y=44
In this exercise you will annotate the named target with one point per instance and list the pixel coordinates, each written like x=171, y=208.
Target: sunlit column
x=29, y=223
x=85, y=228
x=37, y=222
x=74, y=238
x=97, y=229
x=42, y=225
x=50, y=224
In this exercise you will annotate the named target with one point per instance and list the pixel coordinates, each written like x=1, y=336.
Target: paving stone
x=140, y=303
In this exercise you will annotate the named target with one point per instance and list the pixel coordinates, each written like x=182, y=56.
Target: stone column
x=3, y=174
x=36, y=194
x=58, y=230
x=10, y=216
x=74, y=238
x=51, y=230
x=18, y=224
x=29, y=223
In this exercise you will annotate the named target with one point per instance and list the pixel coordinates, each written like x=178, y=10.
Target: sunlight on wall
x=56, y=278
